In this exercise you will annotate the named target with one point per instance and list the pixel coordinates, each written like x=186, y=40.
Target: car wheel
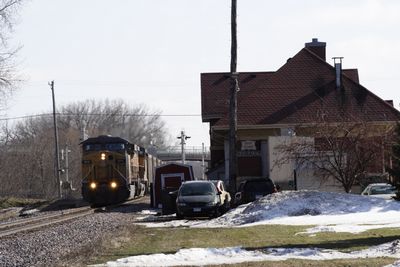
x=216, y=213
x=179, y=216
x=227, y=205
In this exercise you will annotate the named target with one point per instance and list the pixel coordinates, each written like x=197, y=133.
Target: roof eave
x=286, y=125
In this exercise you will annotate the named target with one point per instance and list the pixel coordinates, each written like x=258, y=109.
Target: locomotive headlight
x=113, y=185
x=93, y=185
x=103, y=156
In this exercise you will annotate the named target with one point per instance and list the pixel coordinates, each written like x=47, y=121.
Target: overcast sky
x=153, y=51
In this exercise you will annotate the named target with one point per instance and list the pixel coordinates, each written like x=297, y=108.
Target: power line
x=25, y=117
x=99, y=114
x=118, y=83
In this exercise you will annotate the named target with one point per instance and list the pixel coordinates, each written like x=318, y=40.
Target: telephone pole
x=203, y=166
x=233, y=103
x=57, y=154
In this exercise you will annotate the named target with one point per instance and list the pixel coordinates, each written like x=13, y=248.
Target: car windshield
x=259, y=187
x=378, y=190
x=196, y=189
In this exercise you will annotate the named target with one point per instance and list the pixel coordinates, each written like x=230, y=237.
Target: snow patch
x=232, y=255
x=330, y=212
x=28, y=212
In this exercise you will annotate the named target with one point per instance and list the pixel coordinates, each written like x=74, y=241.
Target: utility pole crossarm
x=183, y=138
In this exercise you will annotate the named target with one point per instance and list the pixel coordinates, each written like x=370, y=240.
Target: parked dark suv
x=198, y=199
x=253, y=189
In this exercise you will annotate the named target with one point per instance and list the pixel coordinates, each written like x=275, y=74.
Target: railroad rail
x=29, y=224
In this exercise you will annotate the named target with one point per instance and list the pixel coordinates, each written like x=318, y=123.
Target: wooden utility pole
x=57, y=154
x=233, y=102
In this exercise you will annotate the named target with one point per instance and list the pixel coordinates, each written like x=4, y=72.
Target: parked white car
x=223, y=194
x=381, y=190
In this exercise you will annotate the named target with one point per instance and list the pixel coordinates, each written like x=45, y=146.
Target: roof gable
x=302, y=88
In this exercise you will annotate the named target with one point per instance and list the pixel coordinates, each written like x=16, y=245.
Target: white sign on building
x=249, y=145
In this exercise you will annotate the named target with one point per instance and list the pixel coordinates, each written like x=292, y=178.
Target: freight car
x=114, y=170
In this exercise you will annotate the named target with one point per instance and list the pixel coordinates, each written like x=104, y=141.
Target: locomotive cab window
x=115, y=147
x=92, y=147
x=109, y=147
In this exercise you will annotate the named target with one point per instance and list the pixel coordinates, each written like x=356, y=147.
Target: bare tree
x=8, y=75
x=136, y=123
x=345, y=151
x=27, y=159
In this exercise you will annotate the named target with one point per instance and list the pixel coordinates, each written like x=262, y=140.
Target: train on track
x=114, y=170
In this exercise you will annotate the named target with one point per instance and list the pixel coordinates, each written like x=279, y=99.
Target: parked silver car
x=381, y=190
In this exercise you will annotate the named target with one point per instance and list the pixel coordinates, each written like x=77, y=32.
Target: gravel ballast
x=52, y=245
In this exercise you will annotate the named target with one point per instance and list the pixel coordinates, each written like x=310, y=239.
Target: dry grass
x=137, y=240
x=328, y=263
x=10, y=207
x=9, y=202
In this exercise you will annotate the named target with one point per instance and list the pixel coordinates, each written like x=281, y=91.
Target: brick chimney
x=318, y=48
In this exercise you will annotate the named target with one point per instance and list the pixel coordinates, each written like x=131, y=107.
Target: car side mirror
x=173, y=193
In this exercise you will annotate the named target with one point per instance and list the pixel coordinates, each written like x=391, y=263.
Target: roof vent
x=390, y=102
x=318, y=48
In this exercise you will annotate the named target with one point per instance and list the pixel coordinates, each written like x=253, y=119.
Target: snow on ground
x=28, y=212
x=214, y=256
x=396, y=264
x=147, y=212
x=330, y=212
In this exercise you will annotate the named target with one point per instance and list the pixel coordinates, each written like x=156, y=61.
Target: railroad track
x=29, y=224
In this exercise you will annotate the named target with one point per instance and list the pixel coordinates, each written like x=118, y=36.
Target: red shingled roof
x=215, y=91
x=293, y=94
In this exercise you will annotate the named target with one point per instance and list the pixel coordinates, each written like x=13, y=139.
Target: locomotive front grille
x=104, y=172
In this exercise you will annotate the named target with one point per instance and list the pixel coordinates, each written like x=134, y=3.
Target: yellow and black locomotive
x=113, y=170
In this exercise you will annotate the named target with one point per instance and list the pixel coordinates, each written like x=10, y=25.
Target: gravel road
x=51, y=246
